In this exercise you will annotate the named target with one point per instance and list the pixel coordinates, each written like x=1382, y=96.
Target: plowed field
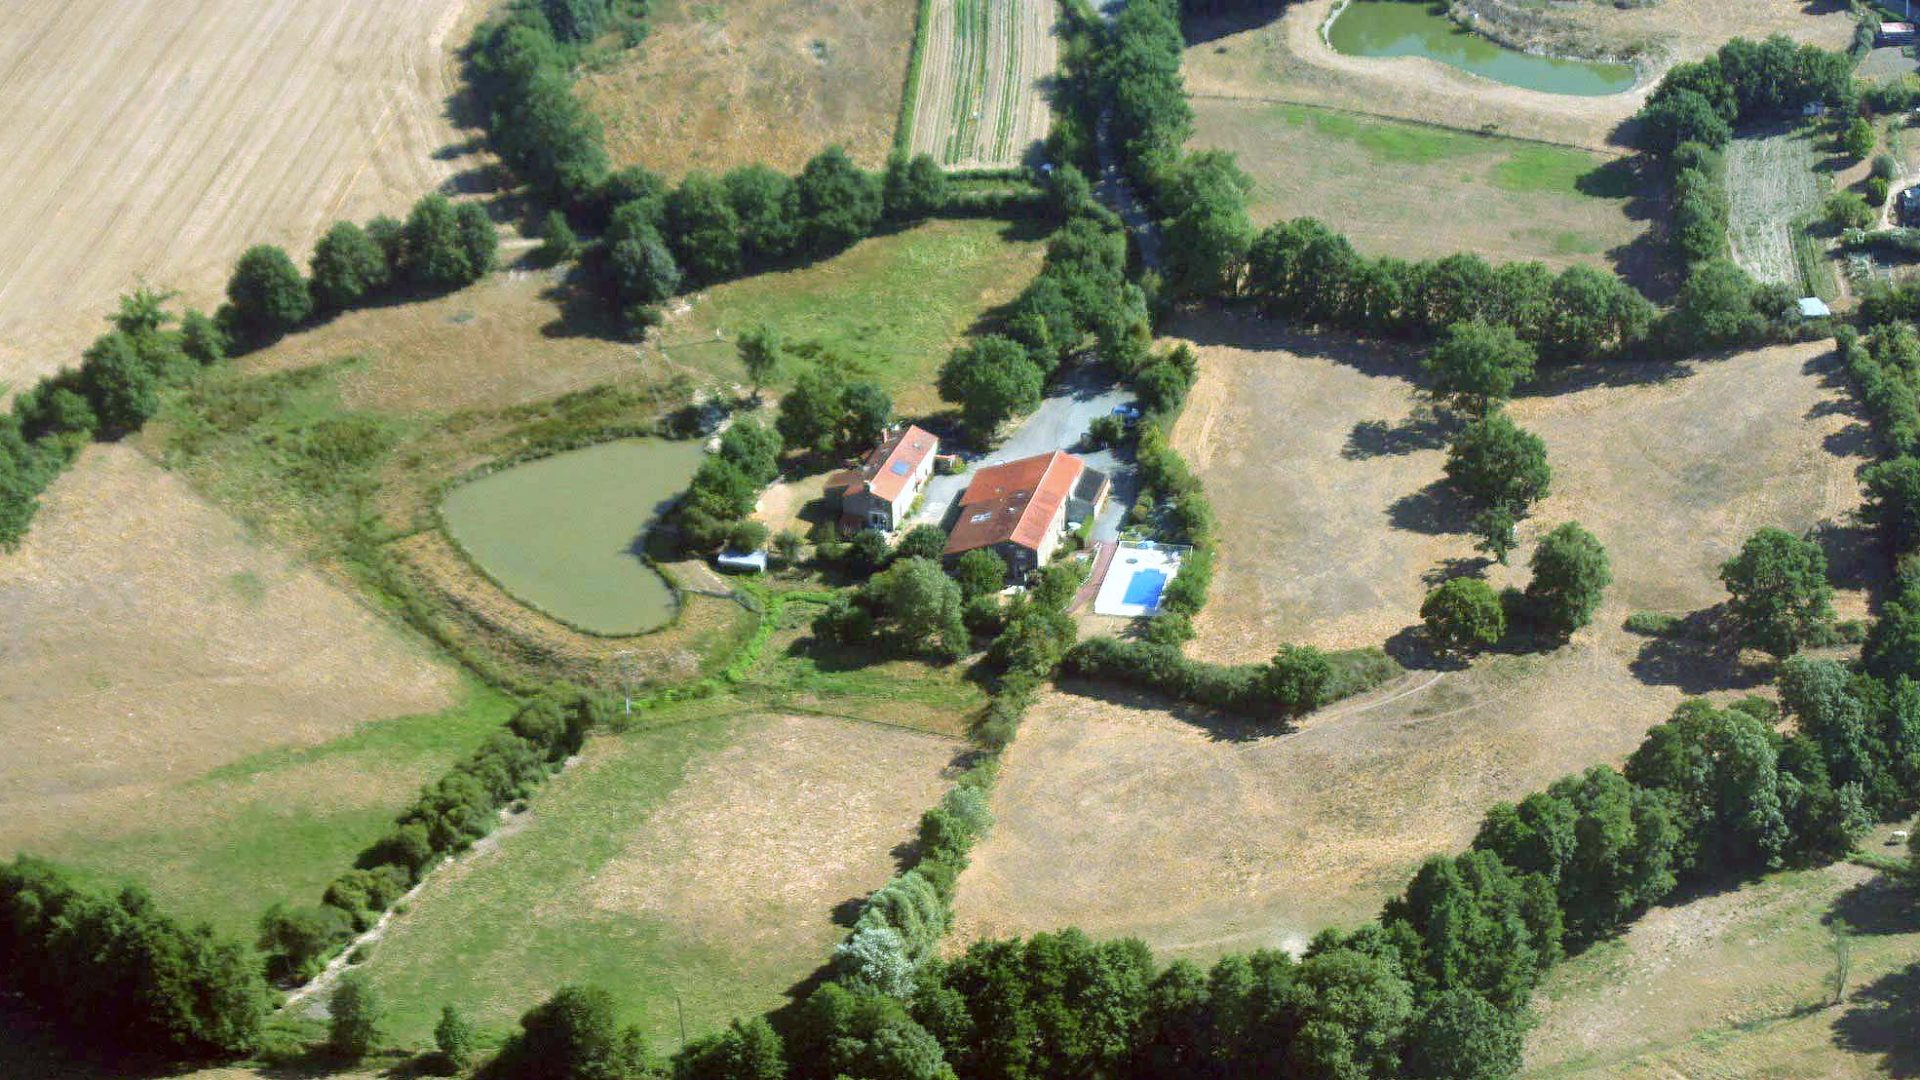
x=981, y=100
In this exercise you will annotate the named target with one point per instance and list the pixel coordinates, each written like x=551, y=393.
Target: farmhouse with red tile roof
x=1021, y=508
x=879, y=493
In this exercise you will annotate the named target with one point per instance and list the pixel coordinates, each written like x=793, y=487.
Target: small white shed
x=1812, y=307
x=742, y=562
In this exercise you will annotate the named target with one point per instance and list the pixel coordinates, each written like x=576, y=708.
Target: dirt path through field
x=159, y=138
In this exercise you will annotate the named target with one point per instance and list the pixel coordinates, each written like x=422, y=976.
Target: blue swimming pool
x=1144, y=588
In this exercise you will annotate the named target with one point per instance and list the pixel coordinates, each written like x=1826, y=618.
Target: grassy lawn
x=892, y=307
x=1416, y=190
x=279, y=825
x=697, y=863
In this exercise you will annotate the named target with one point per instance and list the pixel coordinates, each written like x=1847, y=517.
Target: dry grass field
x=147, y=640
x=1773, y=186
x=159, y=138
x=1202, y=836
x=1283, y=58
x=981, y=100
x=1740, y=983
x=1450, y=191
x=706, y=860
x=717, y=85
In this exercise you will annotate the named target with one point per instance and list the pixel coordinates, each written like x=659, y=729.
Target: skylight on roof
x=984, y=515
x=899, y=468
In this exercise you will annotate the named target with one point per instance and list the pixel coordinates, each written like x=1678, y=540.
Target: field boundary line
x=1611, y=152
x=910, y=93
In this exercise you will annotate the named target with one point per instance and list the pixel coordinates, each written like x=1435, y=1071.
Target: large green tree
x=266, y=294
x=1570, y=574
x=1477, y=364
x=434, y=255
x=991, y=378
x=1463, y=614
x=1780, y=600
x=1495, y=462
x=838, y=203
x=347, y=267
x=703, y=229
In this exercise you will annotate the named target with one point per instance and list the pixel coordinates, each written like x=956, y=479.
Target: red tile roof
x=1015, y=501
x=887, y=467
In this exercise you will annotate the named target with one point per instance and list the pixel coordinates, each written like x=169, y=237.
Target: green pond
x=565, y=533
x=1406, y=28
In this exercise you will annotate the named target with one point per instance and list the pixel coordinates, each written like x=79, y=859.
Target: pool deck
x=1115, y=595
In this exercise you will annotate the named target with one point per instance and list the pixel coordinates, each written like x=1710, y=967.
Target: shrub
x=353, y=1018
x=1463, y=614
x=1570, y=574
x=454, y=1038
x=1877, y=190
x=1848, y=210
x=266, y=295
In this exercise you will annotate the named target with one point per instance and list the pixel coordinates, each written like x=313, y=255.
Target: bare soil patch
x=769, y=81
x=147, y=640
x=1286, y=59
x=982, y=101
x=160, y=138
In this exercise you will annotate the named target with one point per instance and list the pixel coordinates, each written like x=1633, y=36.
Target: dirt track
x=981, y=100
x=159, y=138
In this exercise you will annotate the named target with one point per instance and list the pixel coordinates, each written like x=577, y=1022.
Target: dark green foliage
x=113, y=975
x=837, y=202
x=991, y=378
x=347, y=268
x=434, y=254
x=911, y=608
x=201, y=339
x=353, y=1018
x=768, y=210
x=454, y=1041
x=558, y=244
x=1700, y=205
x=824, y=413
x=913, y=187
x=1717, y=770
x=1779, y=600
x=1463, y=614
x=703, y=229
x=1893, y=500
x=861, y=1036
x=1207, y=231
x=364, y=894
x=747, y=1050
x=980, y=572
x=1495, y=462
x=1849, y=210
x=1858, y=138
x=266, y=294
x=922, y=542
x=522, y=77
x=573, y=1036
x=576, y=21
x=1477, y=364
x=1571, y=573
x=297, y=941
x=479, y=239
x=759, y=350
x=1679, y=117
x=642, y=268
x=726, y=486
x=1460, y=1036
x=1744, y=82
x=121, y=385
x=1299, y=679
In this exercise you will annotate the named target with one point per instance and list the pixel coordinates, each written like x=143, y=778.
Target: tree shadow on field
x=1880, y=905
x=1453, y=567
x=1643, y=262
x=1855, y=557
x=1424, y=429
x=1219, y=726
x=1203, y=29
x=1434, y=510
x=1698, y=656
x=1241, y=327
x=1410, y=648
x=1883, y=1017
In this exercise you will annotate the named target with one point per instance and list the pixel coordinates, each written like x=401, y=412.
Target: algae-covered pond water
x=565, y=533
x=1409, y=28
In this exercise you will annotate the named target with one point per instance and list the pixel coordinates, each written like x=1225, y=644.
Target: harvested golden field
x=981, y=102
x=160, y=138
x=1325, y=470
x=756, y=81
x=1121, y=815
x=148, y=641
x=1285, y=58
x=1741, y=983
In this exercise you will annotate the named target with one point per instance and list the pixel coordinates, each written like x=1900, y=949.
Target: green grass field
x=280, y=825
x=1414, y=190
x=892, y=307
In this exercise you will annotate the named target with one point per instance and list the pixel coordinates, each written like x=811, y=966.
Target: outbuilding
x=879, y=493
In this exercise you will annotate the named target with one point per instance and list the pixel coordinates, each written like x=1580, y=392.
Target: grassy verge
x=910, y=93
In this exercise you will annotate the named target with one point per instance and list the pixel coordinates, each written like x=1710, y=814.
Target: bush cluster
x=1745, y=82
x=450, y=814
x=1884, y=367
x=1297, y=680
x=723, y=491
x=109, y=972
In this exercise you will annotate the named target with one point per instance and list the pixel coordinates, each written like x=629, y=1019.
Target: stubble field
x=768, y=81
x=981, y=101
x=1123, y=816
x=158, y=139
